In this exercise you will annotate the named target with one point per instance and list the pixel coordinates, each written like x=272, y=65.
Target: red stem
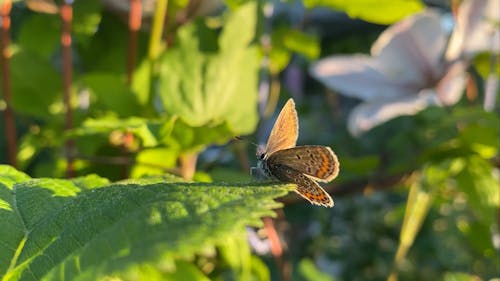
x=66, y=17
x=276, y=248
x=134, y=24
x=10, y=124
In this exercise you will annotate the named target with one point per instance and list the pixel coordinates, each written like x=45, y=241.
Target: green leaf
x=234, y=4
x=9, y=176
x=361, y=165
x=178, y=270
x=207, y=88
x=478, y=181
x=141, y=82
x=40, y=34
x=381, y=12
x=478, y=235
x=286, y=40
x=239, y=30
x=302, y=43
x=154, y=161
x=107, y=48
x=236, y=253
x=35, y=84
x=189, y=139
x=482, y=63
x=30, y=145
x=310, y=272
x=90, y=182
x=419, y=201
x=279, y=57
x=459, y=276
x=173, y=133
x=86, y=19
x=85, y=230
x=186, y=271
x=484, y=140
x=259, y=269
x=151, y=132
x=110, y=93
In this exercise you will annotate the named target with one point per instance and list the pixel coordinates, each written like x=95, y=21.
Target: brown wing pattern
x=306, y=187
x=318, y=162
x=285, y=130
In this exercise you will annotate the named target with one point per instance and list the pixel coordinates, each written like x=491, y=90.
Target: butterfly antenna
x=238, y=138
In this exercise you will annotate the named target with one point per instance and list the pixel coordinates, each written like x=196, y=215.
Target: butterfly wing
x=318, y=162
x=285, y=130
x=306, y=187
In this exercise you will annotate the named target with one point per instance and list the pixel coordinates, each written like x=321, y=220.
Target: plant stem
x=10, y=127
x=188, y=165
x=67, y=17
x=155, y=45
x=134, y=24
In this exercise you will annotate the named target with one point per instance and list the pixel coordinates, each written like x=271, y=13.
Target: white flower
x=406, y=72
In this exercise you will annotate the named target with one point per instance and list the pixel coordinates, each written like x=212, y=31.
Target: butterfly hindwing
x=318, y=162
x=306, y=187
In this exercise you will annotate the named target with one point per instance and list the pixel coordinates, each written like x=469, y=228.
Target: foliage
x=87, y=228
x=188, y=125
x=417, y=197
x=372, y=11
x=435, y=223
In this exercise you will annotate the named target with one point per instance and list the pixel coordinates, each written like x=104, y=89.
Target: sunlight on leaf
x=203, y=88
x=478, y=181
x=458, y=276
x=302, y=43
x=150, y=131
x=419, y=201
x=381, y=12
x=310, y=272
x=153, y=161
x=91, y=232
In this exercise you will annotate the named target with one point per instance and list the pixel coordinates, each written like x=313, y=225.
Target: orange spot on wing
x=324, y=167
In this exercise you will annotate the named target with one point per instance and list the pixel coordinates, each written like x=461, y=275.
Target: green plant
x=158, y=228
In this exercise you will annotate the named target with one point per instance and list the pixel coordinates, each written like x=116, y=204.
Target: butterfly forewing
x=318, y=162
x=306, y=187
x=285, y=131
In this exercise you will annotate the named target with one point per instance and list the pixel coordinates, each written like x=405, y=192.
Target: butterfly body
x=301, y=165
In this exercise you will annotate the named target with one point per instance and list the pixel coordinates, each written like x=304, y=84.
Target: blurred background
x=404, y=91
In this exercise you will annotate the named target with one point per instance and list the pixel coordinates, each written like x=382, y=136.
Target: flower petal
x=357, y=76
x=411, y=50
x=406, y=59
x=368, y=115
x=476, y=29
x=451, y=86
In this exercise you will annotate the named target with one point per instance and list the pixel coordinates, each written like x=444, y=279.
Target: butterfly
x=302, y=165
